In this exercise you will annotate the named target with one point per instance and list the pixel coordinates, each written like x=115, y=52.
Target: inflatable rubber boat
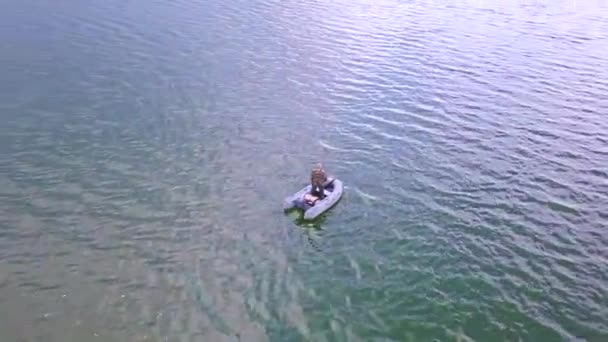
x=333, y=190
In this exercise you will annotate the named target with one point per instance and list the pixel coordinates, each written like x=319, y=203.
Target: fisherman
x=318, y=177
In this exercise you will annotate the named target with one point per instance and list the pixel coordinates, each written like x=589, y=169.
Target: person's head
x=318, y=174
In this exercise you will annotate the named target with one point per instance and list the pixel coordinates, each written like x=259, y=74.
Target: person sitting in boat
x=318, y=178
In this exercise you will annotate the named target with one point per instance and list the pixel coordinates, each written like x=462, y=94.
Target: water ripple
x=145, y=148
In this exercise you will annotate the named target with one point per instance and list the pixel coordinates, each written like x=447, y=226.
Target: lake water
x=146, y=148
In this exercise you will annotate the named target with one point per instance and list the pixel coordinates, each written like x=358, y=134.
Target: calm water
x=146, y=146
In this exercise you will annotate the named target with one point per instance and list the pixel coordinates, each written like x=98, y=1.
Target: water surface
x=146, y=146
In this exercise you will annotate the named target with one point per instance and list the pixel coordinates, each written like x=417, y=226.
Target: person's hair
x=318, y=174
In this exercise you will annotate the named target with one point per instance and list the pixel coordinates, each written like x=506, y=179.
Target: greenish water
x=146, y=148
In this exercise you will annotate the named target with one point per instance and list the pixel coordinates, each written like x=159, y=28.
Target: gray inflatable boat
x=333, y=192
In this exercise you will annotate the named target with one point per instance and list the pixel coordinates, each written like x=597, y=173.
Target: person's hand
x=311, y=199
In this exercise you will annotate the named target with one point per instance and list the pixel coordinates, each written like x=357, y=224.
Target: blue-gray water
x=146, y=146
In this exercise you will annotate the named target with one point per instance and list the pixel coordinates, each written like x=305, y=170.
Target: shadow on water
x=311, y=230
x=298, y=216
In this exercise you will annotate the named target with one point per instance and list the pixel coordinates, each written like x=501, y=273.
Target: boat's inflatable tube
x=333, y=193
